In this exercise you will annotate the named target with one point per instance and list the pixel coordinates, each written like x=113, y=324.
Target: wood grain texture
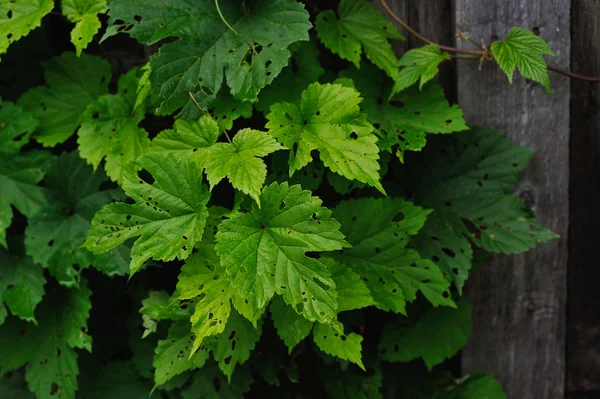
x=583, y=334
x=519, y=301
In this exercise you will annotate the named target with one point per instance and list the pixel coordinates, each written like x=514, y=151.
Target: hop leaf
x=328, y=120
x=405, y=120
x=109, y=129
x=353, y=293
x=291, y=327
x=379, y=231
x=54, y=235
x=265, y=251
x=72, y=84
x=419, y=64
x=168, y=215
x=523, y=49
x=49, y=348
x=346, y=347
x=360, y=25
x=18, y=18
x=249, y=54
x=85, y=16
x=436, y=335
x=211, y=384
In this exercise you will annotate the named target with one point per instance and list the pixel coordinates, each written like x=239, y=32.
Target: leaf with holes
x=158, y=306
x=168, y=215
x=435, y=335
x=523, y=49
x=72, y=83
x=291, y=327
x=21, y=286
x=240, y=161
x=234, y=344
x=84, y=14
x=328, y=120
x=19, y=17
x=48, y=349
x=468, y=175
x=203, y=278
x=420, y=64
x=360, y=26
x=265, y=251
x=248, y=54
x=379, y=231
x=54, y=235
x=309, y=178
x=172, y=355
x=405, y=120
x=210, y=383
x=353, y=293
x=345, y=346
x=109, y=130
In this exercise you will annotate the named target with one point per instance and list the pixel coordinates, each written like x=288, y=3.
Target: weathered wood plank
x=519, y=301
x=583, y=334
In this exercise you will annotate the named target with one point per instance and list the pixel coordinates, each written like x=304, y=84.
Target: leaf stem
x=205, y=112
x=229, y=26
x=482, y=54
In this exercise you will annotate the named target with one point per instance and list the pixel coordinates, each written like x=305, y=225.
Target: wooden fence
x=536, y=316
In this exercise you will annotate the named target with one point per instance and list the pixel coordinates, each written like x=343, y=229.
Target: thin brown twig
x=484, y=54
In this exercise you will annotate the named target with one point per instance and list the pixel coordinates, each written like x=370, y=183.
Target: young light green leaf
x=48, y=349
x=291, y=327
x=353, y=293
x=436, y=335
x=168, y=215
x=54, y=234
x=19, y=17
x=265, y=251
x=360, y=26
x=235, y=343
x=248, y=56
x=158, y=306
x=405, y=120
x=523, y=49
x=240, y=161
x=346, y=347
x=172, y=354
x=419, y=64
x=21, y=286
x=72, y=83
x=109, y=129
x=379, y=231
x=328, y=120
x=84, y=14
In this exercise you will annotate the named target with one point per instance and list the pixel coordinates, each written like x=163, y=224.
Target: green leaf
x=405, y=120
x=303, y=69
x=309, y=178
x=118, y=380
x=469, y=178
x=360, y=26
x=202, y=277
x=434, y=336
x=16, y=126
x=264, y=252
x=346, y=347
x=158, y=306
x=13, y=386
x=169, y=215
x=84, y=13
x=109, y=129
x=348, y=384
x=353, y=293
x=479, y=386
x=21, y=286
x=19, y=17
x=72, y=84
x=523, y=49
x=48, y=349
x=172, y=354
x=240, y=161
x=379, y=231
x=328, y=120
x=248, y=56
x=54, y=235
x=419, y=64
x=235, y=343
x=291, y=327
x=209, y=383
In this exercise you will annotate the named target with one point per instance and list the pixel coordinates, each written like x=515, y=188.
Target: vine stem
x=205, y=112
x=231, y=27
x=482, y=54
